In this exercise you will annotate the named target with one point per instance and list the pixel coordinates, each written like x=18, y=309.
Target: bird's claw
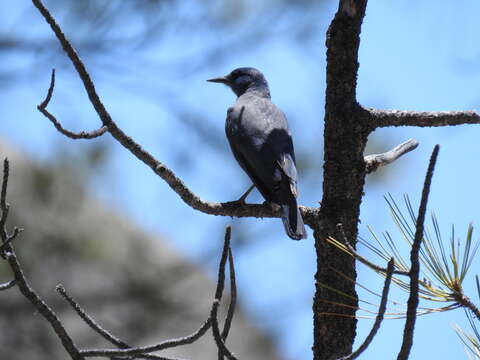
x=242, y=198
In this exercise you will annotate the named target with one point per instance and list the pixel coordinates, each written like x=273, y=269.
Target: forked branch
x=212, y=321
x=73, y=350
x=43, y=109
x=20, y=280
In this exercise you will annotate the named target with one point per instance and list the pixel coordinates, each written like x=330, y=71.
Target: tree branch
x=384, y=118
x=140, y=352
x=374, y=161
x=222, y=348
x=151, y=348
x=98, y=328
x=379, y=318
x=22, y=283
x=211, y=322
x=4, y=207
x=9, y=239
x=233, y=298
x=7, y=285
x=43, y=109
x=415, y=267
x=232, y=208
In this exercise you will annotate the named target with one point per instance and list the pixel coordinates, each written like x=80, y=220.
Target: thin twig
x=231, y=307
x=374, y=161
x=223, y=261
x=43, y=109
x=233, y=297
x=151, y=348
x=10, y=238
x=380, y=315
x=23, y=284
x=415, y=264
x=89, y=320
x=98, y=328
x=231, y=208
x=7, y=285
x=188, y=339
x=4, y=207
x=384, y=118
x=222, y=349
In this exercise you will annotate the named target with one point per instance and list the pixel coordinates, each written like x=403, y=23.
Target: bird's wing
x=262, y=145
x=289, y=170
x=244, y=150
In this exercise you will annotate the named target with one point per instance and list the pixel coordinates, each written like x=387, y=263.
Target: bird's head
x=244, y=79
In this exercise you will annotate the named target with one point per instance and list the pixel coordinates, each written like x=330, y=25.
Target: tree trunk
x=345, y=135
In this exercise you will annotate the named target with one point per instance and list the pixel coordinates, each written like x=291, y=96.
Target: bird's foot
x=242, y=199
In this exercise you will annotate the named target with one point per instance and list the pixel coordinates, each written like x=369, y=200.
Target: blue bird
x=258, y=134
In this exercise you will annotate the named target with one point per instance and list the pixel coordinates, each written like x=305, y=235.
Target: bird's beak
x=221, y=80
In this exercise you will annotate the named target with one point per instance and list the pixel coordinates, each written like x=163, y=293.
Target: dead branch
x=384, y=118
x=7, y=285
x=374, y=161
x=90, y=321
x=20, y=280
x=75, y=353
x=43, y=109
x=211, y=321
x=415, y=264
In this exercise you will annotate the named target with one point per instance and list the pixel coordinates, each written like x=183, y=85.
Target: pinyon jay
x=262, y=144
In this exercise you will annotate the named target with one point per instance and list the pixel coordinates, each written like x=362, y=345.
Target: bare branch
x=232, y=208
x=233, y=297
x=374, y=161
x=188, y=339
x=89, y=320
x=4, y=207
x=22, y=283
x=43, y=109
x=151, y=348
x=379, y=318
x=415, y=264
x=7, y=285
x=10, y=238
x=384, y=118
x=98, y=328
x=222, y=349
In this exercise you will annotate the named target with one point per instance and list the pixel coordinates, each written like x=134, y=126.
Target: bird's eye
x=243, y=79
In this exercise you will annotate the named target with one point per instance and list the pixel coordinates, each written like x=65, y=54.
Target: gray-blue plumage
x=262, y=144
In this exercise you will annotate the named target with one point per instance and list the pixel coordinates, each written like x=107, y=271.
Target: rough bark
x=345, y=135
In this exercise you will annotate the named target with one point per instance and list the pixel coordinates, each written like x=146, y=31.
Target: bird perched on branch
x=260, y=141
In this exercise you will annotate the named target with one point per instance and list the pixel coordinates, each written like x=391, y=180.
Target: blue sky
x=413, y=56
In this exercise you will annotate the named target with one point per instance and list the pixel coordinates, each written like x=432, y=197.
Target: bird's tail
x=292, y=221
